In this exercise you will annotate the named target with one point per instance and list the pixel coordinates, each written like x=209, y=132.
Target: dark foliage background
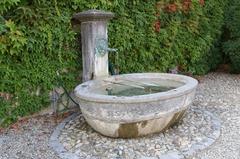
x=231, y=40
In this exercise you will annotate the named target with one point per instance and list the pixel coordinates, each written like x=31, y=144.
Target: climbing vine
x=37, y=39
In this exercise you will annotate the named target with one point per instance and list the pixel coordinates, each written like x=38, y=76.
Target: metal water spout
x=94, y=40
x=102, y=48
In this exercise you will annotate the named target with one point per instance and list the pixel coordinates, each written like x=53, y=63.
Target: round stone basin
x=132, y=105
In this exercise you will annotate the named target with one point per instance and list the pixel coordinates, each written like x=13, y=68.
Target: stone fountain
x=128, y=105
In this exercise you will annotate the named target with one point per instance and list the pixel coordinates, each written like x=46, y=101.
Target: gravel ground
x=218, y=93
x=198, y=130
x=28, y=140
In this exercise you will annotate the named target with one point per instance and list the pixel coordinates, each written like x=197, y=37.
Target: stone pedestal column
x=94, y=43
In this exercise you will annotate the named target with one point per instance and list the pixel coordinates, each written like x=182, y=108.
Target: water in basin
x=135, y=88
x=133, y=91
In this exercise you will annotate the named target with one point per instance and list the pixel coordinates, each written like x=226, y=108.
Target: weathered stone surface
x=93, y=15
x=133, y=116
x=93, y=28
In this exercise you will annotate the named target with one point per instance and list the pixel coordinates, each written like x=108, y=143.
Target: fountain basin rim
x=190, y=84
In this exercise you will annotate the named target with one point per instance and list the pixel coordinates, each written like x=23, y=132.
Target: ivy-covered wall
x=231, y=41
x=37, y=40
x=159, y=35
